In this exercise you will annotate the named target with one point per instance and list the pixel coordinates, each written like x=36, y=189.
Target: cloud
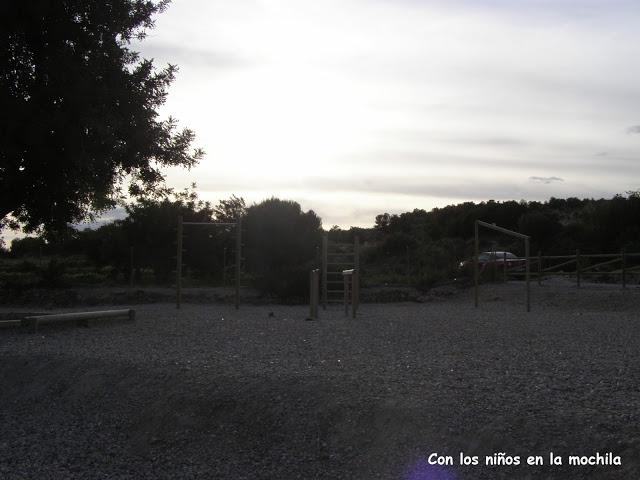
x=194, y=56
x=441, y=186
x=417, y=102
x=546, y=180
x=117, y=213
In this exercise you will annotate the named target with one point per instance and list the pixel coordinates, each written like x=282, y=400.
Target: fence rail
x=612, y=264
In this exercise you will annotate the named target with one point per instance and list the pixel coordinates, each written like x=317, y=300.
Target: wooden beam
x=601, y=264
x=33, y=322
x=501, y=229
x=569, y=262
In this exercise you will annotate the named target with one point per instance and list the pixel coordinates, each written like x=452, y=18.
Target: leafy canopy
x=80, y=123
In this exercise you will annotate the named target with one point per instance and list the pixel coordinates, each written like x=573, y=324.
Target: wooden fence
x=623, y=265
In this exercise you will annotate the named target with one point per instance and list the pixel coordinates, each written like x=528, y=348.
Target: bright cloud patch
x=546, y=180
x=413, y=104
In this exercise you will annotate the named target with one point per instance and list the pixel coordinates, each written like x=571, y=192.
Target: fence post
x=179, y=264
x=325, y=249
x=475, y=265
x=238, y=259
x=355, y=292
x=528, y=264
x=624, y=268
x=493, y=262
x=504, y=267
x=132, y=268
x=313, y=295
x=578, y=268
x=224, y=266
x=539, y=267
x=345, y=279
x=407, y=262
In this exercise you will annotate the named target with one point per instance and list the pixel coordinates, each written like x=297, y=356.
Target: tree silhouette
x=230, y=210
x=281, y=242
x=80, y=124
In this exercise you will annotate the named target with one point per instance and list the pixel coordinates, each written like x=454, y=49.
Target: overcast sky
x=357, y=107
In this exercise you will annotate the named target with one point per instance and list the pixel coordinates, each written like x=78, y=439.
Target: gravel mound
x=208, y=392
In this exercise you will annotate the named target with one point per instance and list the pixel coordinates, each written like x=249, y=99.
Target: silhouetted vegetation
x=423, y=248
x=83, y=123
x=281, y=242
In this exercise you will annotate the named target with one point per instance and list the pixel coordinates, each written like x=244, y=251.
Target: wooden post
x=493, y=261
x=476, y=257
x=504, y=267
x=345, y=279
x=407, y=265
x=578, y=268
x=528, y=265
x=132, y=268
x=624, y=268
x=539, y=267
x=313, y=295
x=179, y=264
x=325, y=250
x=224, y=266
x=476, y=273
x=356, y=271
x=238, y=259
x=355, y=293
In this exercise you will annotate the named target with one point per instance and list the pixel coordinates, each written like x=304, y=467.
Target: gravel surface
x=208, y=392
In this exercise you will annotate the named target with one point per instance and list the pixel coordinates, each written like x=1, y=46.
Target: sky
x=359, y=107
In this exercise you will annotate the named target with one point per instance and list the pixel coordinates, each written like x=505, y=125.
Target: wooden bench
x=81, y=318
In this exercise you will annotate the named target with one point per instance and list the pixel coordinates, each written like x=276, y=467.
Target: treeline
x=279, y=246
x=281, y=241
x=426, y=247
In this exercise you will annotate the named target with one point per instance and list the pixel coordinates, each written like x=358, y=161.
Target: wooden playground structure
x=336, y=258
x=620, y=265
x=237, y=225
x=351, y=295
x=476, y=262
x=340, y=267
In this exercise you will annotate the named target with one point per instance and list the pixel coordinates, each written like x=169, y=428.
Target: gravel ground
x=208, y=392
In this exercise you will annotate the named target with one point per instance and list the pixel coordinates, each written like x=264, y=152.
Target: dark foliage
x=80, y=110
x=423, y=248
x=280, y=241
x=281, y=244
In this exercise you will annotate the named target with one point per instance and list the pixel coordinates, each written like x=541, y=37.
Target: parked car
x=497, y=259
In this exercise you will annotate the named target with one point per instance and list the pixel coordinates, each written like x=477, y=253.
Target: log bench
x=80, y=318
